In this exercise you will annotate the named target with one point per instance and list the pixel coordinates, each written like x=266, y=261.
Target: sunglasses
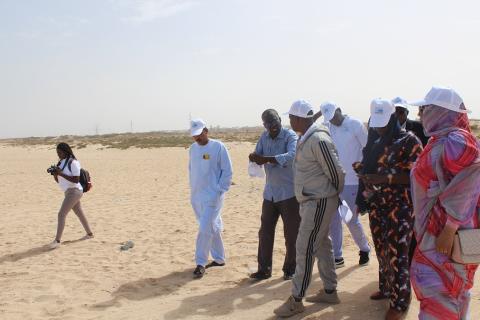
x=423, y=108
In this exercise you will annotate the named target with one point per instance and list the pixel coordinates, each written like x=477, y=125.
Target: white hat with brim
x=328, y=109
x=444, y=97
x=197, y=126
x=380, y=112
x=399, y=102
x=301, y=108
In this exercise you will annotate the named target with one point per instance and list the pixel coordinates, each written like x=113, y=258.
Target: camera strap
x=67, y=160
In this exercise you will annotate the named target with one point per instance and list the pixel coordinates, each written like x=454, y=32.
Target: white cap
x=444, y=97
x=380, y=112
x=328, y=109
x=302, y=109
x=197, y=126
x=400, y=102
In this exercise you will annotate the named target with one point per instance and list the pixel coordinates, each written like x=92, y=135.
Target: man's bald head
x=270, y=114
x=272, y=122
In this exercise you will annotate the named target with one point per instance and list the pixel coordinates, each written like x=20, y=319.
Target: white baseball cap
x=328, y=109
x=400, y=102
x=197, y=126
x=380, y=112
x=302, y=109
x=444, y=97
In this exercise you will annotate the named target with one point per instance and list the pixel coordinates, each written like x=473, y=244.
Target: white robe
x=210, y=171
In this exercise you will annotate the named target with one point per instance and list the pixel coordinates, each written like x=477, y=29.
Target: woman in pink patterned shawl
x=445, y=190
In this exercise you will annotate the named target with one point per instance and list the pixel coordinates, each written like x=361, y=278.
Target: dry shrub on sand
x=156, y=139
x=142, y=140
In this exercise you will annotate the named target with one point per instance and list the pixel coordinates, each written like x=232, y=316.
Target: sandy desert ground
x=142, y=195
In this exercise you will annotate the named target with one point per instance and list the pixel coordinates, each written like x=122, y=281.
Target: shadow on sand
x=30, y=253
x=349, y=309
x=245, y=294
x=148, y=288
x=13, y=257
x=249, y=295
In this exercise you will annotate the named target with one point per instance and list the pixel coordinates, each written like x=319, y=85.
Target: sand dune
x=143, y=195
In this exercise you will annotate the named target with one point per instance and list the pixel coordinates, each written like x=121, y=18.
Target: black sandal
x=214, y=264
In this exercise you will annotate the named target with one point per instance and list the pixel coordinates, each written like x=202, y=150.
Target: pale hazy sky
x=68, y=67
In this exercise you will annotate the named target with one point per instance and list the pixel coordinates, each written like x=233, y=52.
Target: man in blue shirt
x=276, y=150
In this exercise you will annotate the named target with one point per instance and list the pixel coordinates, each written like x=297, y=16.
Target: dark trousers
x=289, y=211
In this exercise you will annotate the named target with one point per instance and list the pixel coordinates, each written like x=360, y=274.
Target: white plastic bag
x=345, y=212
x=255, y=171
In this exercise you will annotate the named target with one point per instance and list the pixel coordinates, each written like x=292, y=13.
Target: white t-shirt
x=350, y=138
x=63, y=183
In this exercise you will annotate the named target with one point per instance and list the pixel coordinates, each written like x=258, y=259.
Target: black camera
x=52, y=169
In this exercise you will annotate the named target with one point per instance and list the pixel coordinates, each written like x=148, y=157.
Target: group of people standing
x=418, y=185
x=417, y=181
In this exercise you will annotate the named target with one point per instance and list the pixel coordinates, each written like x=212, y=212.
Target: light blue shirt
x=279, y=181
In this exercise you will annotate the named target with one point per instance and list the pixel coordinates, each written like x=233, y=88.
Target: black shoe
x=260, y=275
x=214, y=264
x=288, y=275
x=199, y=272
x=364, y=258
x=378, y=296
x=339, y=263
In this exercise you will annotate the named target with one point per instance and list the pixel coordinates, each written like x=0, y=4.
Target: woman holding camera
x=67, y=175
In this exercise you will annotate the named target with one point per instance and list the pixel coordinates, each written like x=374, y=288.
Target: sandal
x=214, y=264
x=378, y=296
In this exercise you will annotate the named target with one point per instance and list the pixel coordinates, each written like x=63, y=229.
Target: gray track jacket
x=317, y=170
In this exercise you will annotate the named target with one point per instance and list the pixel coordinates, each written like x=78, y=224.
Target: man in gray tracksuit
x=319, y=179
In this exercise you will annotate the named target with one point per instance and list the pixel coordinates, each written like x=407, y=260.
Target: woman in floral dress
x=384, y=192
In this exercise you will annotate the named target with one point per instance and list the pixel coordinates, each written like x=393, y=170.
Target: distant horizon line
x=213, y=128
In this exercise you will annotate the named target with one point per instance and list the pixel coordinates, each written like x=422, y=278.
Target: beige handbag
x=466, y=246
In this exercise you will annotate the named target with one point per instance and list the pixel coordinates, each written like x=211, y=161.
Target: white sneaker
x=323, y=297
x=289, y=308
x=54, y=244
x=87, y=236
x=339, y=263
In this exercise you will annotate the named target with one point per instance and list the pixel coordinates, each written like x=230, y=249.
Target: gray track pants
x=71, y=202
x=313, y=241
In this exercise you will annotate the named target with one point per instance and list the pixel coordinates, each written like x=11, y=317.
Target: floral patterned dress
x=392, y=219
